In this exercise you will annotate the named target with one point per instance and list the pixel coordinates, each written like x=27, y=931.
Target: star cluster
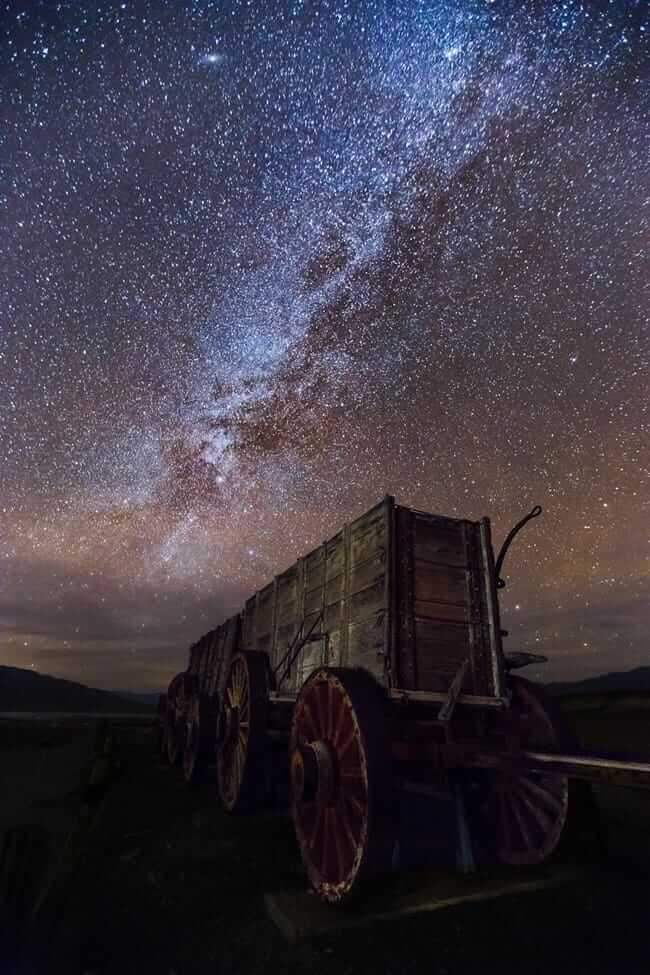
x=262, y=263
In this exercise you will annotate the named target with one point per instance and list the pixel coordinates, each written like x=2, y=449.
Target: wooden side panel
x=265, y=618
x=194, y=659
x=200, y=660
x=216, y=638
x=288, y=612
x=334, y=598
x=210, y=641
x=249, y=624
x=442, y=604
x=342, y=589
x=369, y=590
x=230, y=643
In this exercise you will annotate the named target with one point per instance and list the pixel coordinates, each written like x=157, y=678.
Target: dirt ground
x=160, y=879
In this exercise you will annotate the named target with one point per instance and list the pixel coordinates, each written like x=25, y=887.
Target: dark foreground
x=152, y=877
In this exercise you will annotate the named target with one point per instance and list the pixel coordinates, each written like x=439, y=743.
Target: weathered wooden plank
x=334, y=589
x=315, y=568
x=405, y=656
x=368, y=601
x=311, y=657
x=366, y=634
x=310, y=619
x=335, y=550
x=313, y=601
x=332, y=617
x=249, y=624
x=441, y=611
x=229, y=644
x=265, y=596
x=315, y=557
x=285, y=633
x=434, y=636
x=366, y=573
x=440, y=583
x=365, y=546
x=374, y=519
x=439, y=540
x=334, y=645
x=314, y=575
x=432, y=678
x=287, y=611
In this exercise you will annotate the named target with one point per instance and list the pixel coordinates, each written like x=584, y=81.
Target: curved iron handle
x=510, y=537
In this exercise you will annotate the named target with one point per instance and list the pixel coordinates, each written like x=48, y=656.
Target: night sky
x=262, y=263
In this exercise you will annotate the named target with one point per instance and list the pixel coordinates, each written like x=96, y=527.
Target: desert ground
x=150, y=876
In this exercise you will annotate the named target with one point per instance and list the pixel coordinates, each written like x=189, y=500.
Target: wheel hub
x=314, y=773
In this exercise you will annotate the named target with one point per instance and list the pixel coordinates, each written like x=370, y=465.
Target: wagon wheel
x=161, y=736
x=242, y=742
x=525, y=813
x=175, y=737
x=341, y=781
x=192, y=743
x=198, y=740
x=181, y=688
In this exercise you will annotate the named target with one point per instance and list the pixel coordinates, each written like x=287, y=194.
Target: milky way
x=263, y=263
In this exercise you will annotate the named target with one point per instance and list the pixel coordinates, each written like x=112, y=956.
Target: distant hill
x=27, y=690
x=635, y=681
x=149, y=699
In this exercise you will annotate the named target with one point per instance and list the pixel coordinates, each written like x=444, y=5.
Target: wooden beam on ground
x=300, y=914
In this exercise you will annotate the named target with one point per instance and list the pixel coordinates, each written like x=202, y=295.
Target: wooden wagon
x=374, y=666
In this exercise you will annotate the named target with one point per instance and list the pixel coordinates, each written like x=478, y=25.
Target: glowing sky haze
x=262, y=263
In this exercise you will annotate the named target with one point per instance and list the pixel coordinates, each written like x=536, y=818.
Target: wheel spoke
x=515, y=805
x=240, y=681
x=311, y=840
x=357, y=805
x=504, y=830
x=347, y=827
x=237, y=764
x=343, y=723
x=330, y=711
x=545, y=795
x=322, y=717
x=346, y=744
x=325, y=849
x=338, y=848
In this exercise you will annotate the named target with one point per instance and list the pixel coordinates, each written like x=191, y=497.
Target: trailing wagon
x=374, y=667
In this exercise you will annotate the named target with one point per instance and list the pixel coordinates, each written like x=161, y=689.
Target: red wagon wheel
x=525, y=812
x=242, y=742
x=341, y=782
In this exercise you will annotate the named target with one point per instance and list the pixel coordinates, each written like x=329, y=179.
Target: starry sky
x=263, y=262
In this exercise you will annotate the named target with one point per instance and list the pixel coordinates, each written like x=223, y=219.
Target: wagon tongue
x=604, y=768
